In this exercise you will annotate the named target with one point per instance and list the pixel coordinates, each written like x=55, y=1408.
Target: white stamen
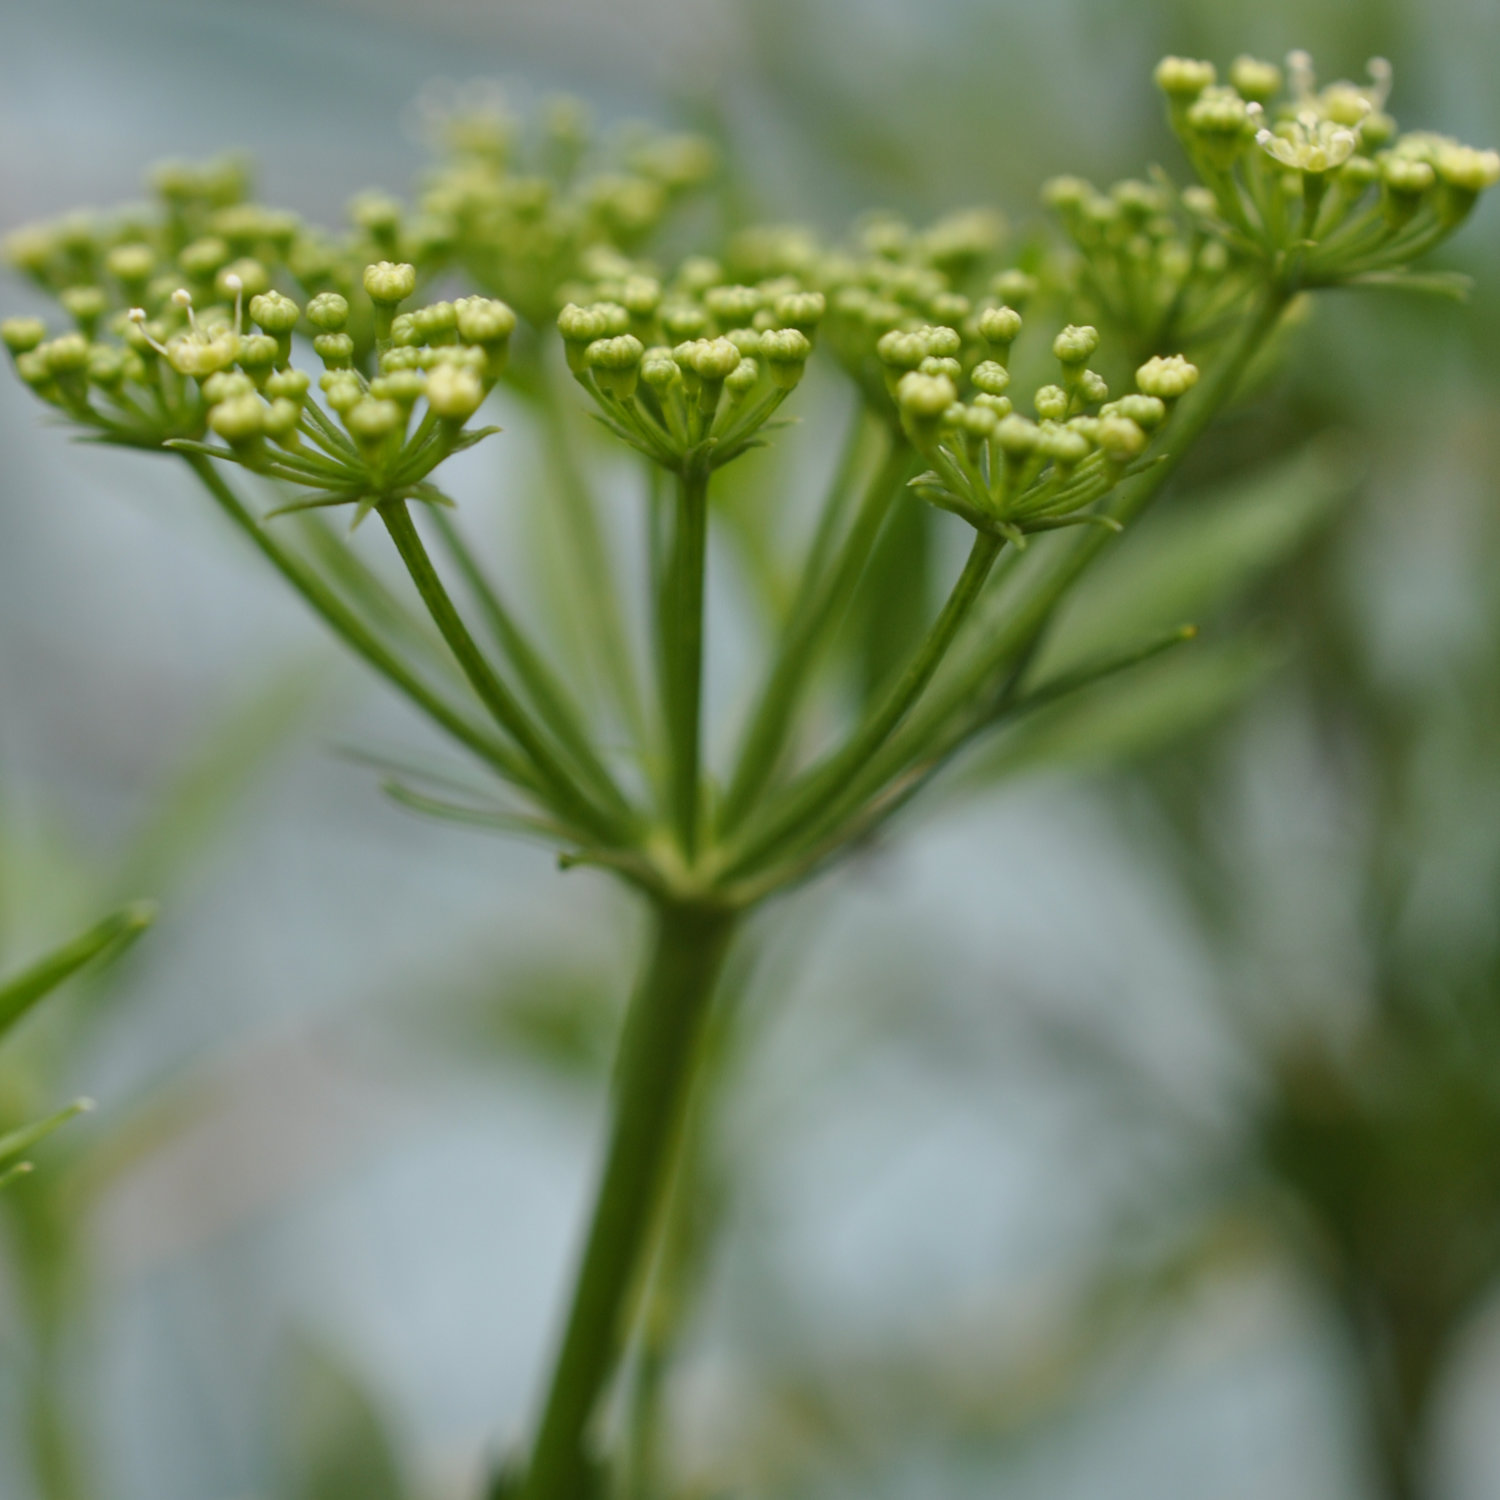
x=235, y=284
x=137, y=315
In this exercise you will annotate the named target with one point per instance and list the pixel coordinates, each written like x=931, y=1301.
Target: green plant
x=689, y=370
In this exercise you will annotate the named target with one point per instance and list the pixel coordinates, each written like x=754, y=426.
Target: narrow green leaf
x=17, y=1142
x=110, y=937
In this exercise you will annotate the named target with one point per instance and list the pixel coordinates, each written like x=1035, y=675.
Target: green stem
x=605, y=630
x=825, y=782
x=823, y=591
x=682, y=630
x=358, y=637
x=493, y=693
x=652, y=1084
x=540, y=681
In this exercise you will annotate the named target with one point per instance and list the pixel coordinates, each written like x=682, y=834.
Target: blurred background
x=1131, y=1128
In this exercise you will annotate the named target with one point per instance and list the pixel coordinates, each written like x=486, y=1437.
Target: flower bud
x=1000, y=405
x=404, y=387
x=67, y=354
x=785, y=352
x=1000, y=326
x=990, y=377
x=389, y=283
x=85, y=305
x=1183, y=78
x=281, y=421
x=131, y=265
x=1120, y=438
x=1051, y=403
x=482, y=320
x=226, y=385
x=341, y=389
x=371, y=422
x=741, y=380
x=1017, y=436
x=109, y=365
x=732, y=306
x=1074, y=345
x=336, y=350
x=1255, y=80
x=253, y=280
x=454, y=393
x=240, y=421
x=1093, y=387
x=900, y=350
x=1147, y=412
x=202, y=259
x=711, y=360
x=277, y=314
x=328, y=311
x=288, y=385
x=22, y=335
x=1063, y=446
x=1167, y=377
x=800, y=310
x=936, y=365
x=258, y=352
x=923, y=400
x=661, y=372
x=616, y=363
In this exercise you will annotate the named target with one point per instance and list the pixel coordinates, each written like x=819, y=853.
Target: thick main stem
x=652, y=1085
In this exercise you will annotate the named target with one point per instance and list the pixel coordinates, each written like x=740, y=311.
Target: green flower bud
x=711, y=360
x=1000, y=405
x=341, y=389
x=742, y=379
x=1147, y=412
x=453, y=393
x=225, y=386
x=109, y=364
x=925, y=398
x=616, y=363
x=401, y=357
x=202, y=259
x=1093, y=387
x=277, y=314
x=581, y=326
x=1063, y=446
x=22, y=335
x=328, y=311
x=253, y=280
x=389, y=283
x=990, y=377
x=1464, y=173
x=1017, y=437
x=482, y=320
x=800, y=310
x=288, y=385
x=1183, y=78
x=435, y=322
x=258, y=352
x=131, y=265
x=684, y=321
x=404, y=332
x=1166, y=378
x=935, y=365
x=1051, y=403
x=404, y=387
x=31, y=249
x=32, y=367
x=1254, y=80
x=901, y=351
x=1120, y=438
x=67, y=354
x=732, y=306
x=949, y=307
x=378, y=214
x=785, y=352
x=336, y=350
x=371, y=422
x=282, y=419
x=978, y=422
x=1074, y=345
x=641, y=296
x=85, y=305
x=1000, y=326
x=747, y=340
x=240, y=421
x=661, y=372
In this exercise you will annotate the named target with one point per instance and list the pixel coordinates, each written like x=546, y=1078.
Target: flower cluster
x=1004, y=472
x=187, y=375
x=522, y=216
x=690, y=372
x=1316, y=182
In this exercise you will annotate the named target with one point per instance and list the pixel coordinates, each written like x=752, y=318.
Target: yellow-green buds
x=453, y=393
x=1051, y=403
x=923, y=400
x=616, y=364
x=1255, y=80
x=1184, y=77
x=785, y=352
x=22, y=335
x=1120, y=438
x=371, y=421
x=202, y=259
x=389, y=283
x=277, y=314
x=240, y=421
x=1074, y=345
x=327, y=311
x=800, y=310
x=1000, y=326
x=1166, y=377
x=131, y=265
x=289, y=385
x=711, y=360
x=336, y=350
x=484, y=321
x=990, y=378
